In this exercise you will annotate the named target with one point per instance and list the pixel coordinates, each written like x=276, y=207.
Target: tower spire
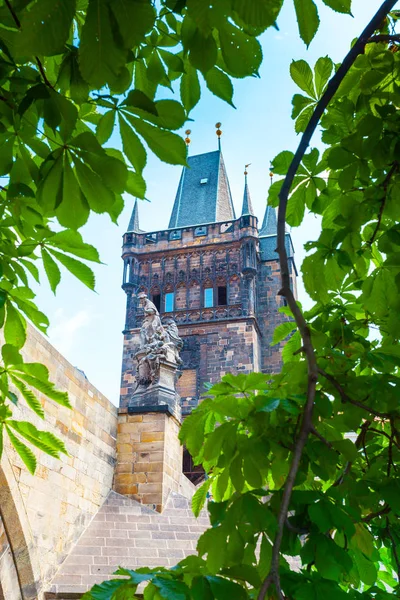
x=269, y=224
x=247, y=208
x=134, y=220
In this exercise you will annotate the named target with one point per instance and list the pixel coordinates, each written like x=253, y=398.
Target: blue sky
x=87, y=327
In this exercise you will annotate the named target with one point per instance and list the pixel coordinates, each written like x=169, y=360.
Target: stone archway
x=17, y=581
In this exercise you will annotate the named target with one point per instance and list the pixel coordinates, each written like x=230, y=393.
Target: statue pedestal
x=162, y=392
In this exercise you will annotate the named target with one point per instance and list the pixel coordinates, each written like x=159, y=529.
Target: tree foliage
x=303, y=464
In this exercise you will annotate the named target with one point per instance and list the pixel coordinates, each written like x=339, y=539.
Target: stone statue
x=171, y=329
x=156, y=343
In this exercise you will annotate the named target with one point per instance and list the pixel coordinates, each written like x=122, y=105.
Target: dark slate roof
x=247, y=207
x=128, y=534
x=203, y=195
x=268, y=247
x=269, y=223
x=134, y=220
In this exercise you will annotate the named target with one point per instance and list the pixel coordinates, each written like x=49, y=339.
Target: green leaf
x=99, y=197
x=168, y=146
x=307, y=19
x=47, y=388
x=138, y=99
x=105, y=126
x=171, y=589
x=203, y=51
x=224, y=589
x=77, y=268
x=45, y=27
x=29, y=397
x=242, y=53
x=282, y=331
x=43, y=440
x=200, y=496
x=52, y=270
x=25, y=454
x=135, y=18
x=74, y=210
x=171, y=114
x=100, y=58
x=136, y=185
x=322, y=73
x=301, y=73
x=71, y=241
x=281, y=163
x=15, y=327
x=342, y=6
x=190, y=88
x=10, y=355
x=220, y=85
x=259, y=14
x=251, y=472
x=49, y=189
x=132, y=146
x=265, y=557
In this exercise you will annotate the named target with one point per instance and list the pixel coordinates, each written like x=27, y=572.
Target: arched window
x=155, y=296
x=222, y=293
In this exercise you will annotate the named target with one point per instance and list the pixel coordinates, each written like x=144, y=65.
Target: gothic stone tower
x=215, y=274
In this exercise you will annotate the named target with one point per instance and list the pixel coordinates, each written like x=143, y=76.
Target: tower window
x=157, y=301
x=169, y=301
x=208, y=298
x=222, y=296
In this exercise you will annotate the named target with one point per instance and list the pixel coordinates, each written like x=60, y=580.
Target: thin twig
x=13, y=14
x=385, y=185
x=43, y=73
x=332, y=87
x=389, y=437
x=321, y=438
x=383, y=38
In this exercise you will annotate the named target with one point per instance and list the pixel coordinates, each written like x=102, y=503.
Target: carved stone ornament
x=158, y=343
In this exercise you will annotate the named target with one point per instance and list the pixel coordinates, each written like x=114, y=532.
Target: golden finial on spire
x=271, y=172
x=187, y=138
x=219, y=133
x=245, y=168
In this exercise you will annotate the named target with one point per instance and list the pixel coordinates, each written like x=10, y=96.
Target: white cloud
x=65, y=330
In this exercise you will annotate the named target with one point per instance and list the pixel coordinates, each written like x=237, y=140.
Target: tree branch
x=332, y=87
x=379, y=513
x=346, y=398
x=383, y=38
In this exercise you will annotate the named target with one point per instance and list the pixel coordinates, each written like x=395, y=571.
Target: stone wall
x=149, y=459
x=268, y=316
x=56, y=504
